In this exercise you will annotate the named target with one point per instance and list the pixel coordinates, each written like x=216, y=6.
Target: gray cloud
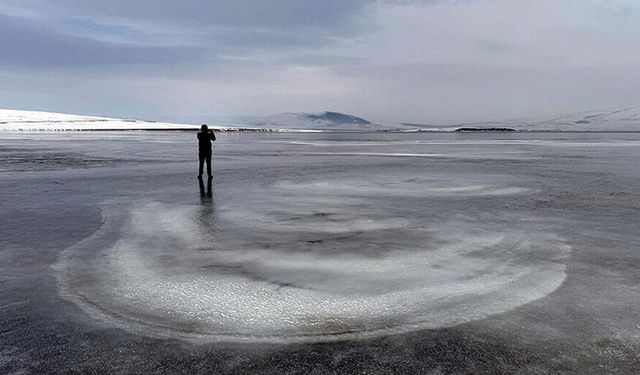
x=466, y=92
x=453, y=60
x=331, y=16
x=29, y=44
x=84, y=32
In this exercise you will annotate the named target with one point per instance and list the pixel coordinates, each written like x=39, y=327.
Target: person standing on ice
x=205, y=137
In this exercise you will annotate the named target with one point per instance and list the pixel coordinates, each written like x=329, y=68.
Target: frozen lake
x=337, y=253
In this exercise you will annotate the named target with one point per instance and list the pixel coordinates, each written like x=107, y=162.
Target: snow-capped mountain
x=311, y=121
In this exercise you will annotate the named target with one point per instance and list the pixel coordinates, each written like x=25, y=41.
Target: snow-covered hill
x=620, y=119
x=332, y=121
x=15, y=120
x=625, y=119
x=35, y=121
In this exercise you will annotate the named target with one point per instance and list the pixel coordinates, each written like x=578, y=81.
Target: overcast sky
x=427, y=61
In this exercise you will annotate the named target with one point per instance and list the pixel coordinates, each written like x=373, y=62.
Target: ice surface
x=410, y=186
x=528, y=256
x=356, y=270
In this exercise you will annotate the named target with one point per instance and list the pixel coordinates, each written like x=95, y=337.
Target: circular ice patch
x=163, y=270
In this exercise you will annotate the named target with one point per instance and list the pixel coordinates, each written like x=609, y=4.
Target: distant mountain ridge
x=321, y=120
x=612, y=120
x=337, y=118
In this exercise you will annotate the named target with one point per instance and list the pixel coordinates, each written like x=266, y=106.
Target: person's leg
x=201, y=156
x=201, y=186
x=209, y=165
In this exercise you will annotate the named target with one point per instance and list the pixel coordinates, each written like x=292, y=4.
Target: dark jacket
x=204, y=141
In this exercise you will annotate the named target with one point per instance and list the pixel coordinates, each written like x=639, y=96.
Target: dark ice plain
x=320, y=253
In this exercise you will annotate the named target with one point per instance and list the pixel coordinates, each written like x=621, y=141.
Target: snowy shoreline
x=18, y=121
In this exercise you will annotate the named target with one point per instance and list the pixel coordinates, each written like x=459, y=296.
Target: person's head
x=204, y=128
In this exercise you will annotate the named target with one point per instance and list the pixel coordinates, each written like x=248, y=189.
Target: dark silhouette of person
x=205, y=137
